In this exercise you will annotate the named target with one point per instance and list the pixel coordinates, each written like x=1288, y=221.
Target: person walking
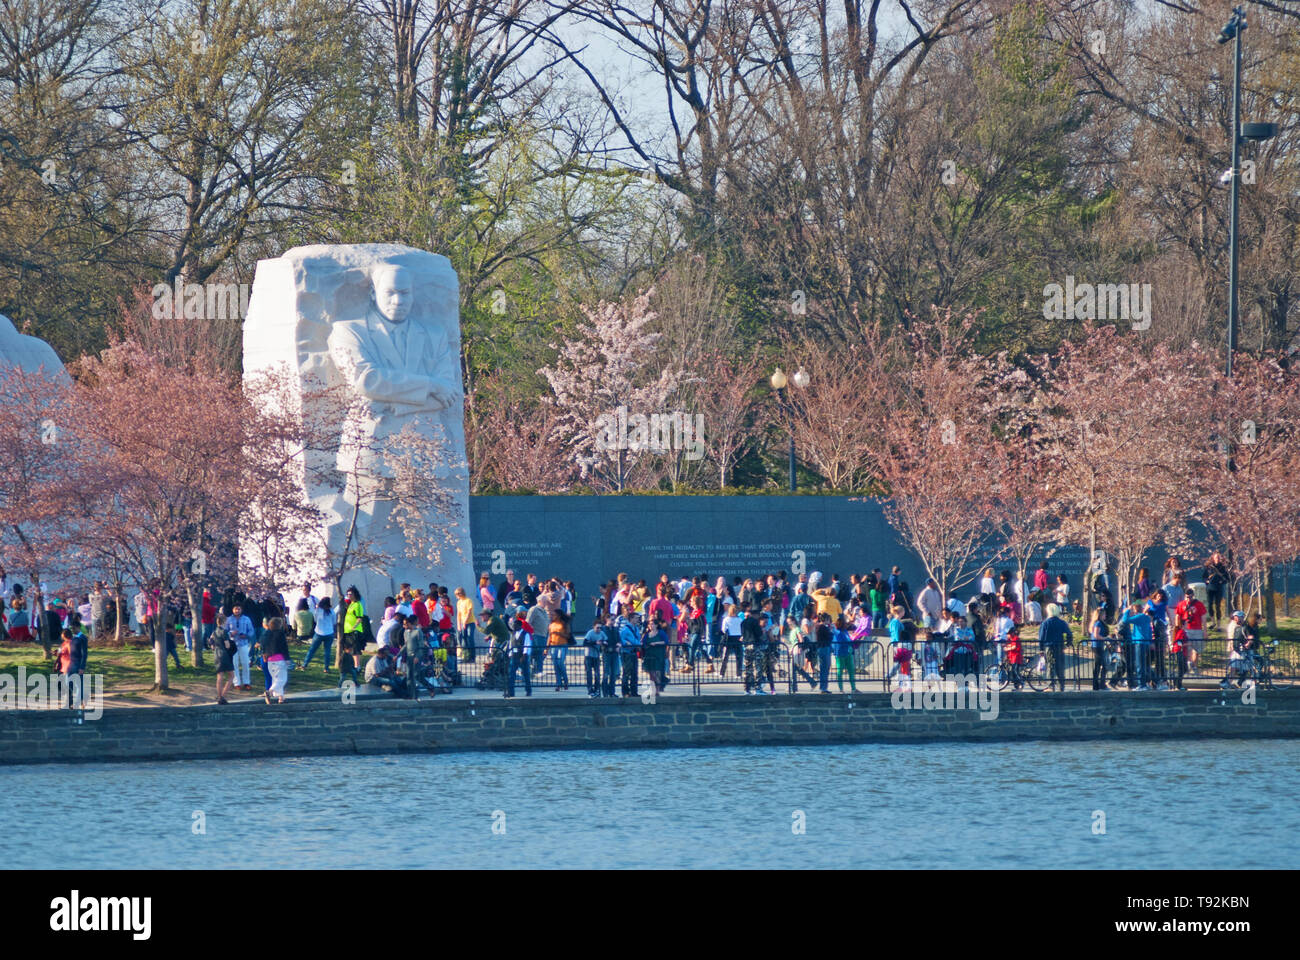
x=843, y=649
x=1139, y=623
x=240, y=629
x=465, y=625
x=413, y=652
x=1157, y=607
x=901, y=646
x=1215, y=575
x=275, y=654
x=751, y=633
x=1053, y=636
x=629, y=645
x=354, y=638
x=1189, y=615
x=1098, y=632
x=521, y=650
x=656, y=652
x=731, y=645
x=323, y=626
x=226, y=649
x=609, y=656
x=557, y=642
x=592, y=641
x=824, y=639
x=930, y=602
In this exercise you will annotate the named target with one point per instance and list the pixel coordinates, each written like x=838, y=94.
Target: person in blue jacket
x=629, y=642
x=1157, y=606
x=1140, y=626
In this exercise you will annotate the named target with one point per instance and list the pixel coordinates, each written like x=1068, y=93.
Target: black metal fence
x=876, y=663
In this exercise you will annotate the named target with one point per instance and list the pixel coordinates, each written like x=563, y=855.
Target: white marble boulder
x=383, y=319
x=29, y=354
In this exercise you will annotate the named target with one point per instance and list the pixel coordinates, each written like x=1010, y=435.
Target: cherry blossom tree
x=508, y=440
x=1248, y=474
x=605, y=389
x=939, y=460
x=169, y=467
x=36, y=434
x=837, y=417
x=1112, y=417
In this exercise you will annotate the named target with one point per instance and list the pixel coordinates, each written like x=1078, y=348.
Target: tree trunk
x=37, y=619
x=196, y=627
x=158, y=625
x=338, y=624
x=1270, y=607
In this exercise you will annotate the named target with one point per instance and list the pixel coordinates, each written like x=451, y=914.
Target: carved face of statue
x=392, y=292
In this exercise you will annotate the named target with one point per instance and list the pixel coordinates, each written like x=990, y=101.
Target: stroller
x=433, y=674
x=495, y=671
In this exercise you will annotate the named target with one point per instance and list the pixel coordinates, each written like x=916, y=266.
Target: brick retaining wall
x=465, y=721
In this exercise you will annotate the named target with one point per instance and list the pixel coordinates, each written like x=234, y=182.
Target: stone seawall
x=465, y=721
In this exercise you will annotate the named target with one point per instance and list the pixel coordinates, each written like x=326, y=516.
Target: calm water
x=1185, y=804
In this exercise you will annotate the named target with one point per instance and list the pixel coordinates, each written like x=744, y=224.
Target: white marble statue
x=30, y=354
x=383, y=320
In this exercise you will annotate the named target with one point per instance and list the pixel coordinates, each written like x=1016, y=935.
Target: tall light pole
x=1233, y=30
x=779, y=381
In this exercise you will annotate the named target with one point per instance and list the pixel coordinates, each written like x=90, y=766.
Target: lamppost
x=1233, y=30
x=779, y=380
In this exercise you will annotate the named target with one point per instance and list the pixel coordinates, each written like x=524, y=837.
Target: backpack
x=909, y=631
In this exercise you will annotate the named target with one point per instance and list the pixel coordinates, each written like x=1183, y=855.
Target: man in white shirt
x=240, y=628
x=930, y=602
x=389, y=630
x=309, y=597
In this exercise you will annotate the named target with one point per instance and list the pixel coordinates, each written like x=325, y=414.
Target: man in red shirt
x=661, y=608
x=421, y=610
x=1190, y=615
x=208, y=618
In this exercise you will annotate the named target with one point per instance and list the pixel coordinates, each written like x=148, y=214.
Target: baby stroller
x=1116, y=664
x=495, y=671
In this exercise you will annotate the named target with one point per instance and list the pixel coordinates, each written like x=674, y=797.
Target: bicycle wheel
x=1274, y=678
x=997, y=677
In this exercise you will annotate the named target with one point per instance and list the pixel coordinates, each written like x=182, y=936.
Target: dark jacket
x=1054, y=630
x=80, y=651
x=273, y=642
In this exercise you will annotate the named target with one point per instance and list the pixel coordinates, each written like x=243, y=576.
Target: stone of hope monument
x=381, y=321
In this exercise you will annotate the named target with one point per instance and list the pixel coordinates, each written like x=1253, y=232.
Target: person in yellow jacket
x=557, y=642
x=827, y=603
x=465, y=624
x=354, y=640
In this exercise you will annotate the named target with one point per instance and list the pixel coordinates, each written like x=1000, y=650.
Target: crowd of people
x=1150, y=638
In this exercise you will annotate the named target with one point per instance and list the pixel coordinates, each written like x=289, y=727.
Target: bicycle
x=1036, y=674
x=1260, y=671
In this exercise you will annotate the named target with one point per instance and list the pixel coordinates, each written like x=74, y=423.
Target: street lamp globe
x=779, y=379
x=801, y=378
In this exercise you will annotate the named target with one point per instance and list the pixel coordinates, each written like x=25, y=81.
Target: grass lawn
x=128, y=672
